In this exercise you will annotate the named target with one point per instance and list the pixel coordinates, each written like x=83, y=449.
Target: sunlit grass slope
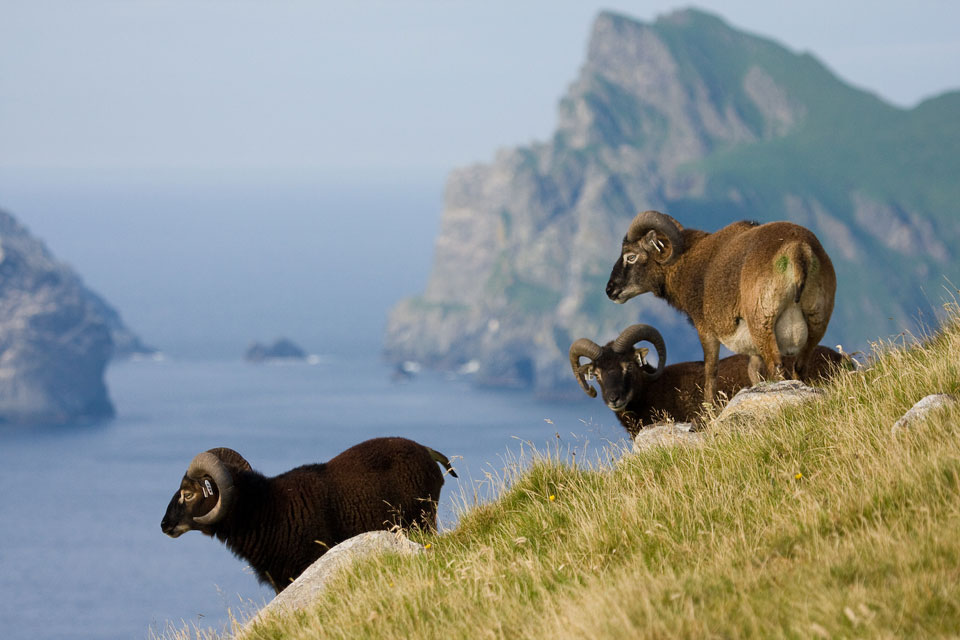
x=816, y=522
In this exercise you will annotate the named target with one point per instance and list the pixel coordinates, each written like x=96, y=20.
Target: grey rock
x=56, y=336
x=305, y=590
x=667, y=434
x=923, y=409
x=766, y=398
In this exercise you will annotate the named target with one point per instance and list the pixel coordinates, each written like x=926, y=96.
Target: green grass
x=816, y=522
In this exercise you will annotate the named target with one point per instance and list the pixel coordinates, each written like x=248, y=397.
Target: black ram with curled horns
x=640, y=394
x=281, y=525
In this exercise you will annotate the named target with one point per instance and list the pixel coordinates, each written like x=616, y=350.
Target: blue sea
x=200, y=266
x=83, y=555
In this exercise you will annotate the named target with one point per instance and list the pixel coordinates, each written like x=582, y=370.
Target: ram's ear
x=641, y=355
x=657, y=245
x=588, y=371
x=658, y=234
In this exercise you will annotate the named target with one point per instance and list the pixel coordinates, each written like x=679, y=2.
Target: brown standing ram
x=764, y=290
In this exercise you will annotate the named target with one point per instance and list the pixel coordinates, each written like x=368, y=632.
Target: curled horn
x=231, y=458
x=660, y=223
x=638, y=333
x=208, y=464
x=586, y=348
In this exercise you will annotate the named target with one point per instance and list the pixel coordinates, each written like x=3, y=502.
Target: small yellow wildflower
x=798, y=476
x=428, y=545
x=552, y=497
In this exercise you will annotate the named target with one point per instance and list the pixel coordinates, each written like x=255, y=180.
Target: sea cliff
x=689, y=116
x=56, y=336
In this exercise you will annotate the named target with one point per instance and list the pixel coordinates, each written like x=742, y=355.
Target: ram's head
x=206, y=492
x=653, y=242
x=618, y=367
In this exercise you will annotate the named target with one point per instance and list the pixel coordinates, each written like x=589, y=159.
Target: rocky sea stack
x=688, y=116
x=281, y=349
x=56, y=336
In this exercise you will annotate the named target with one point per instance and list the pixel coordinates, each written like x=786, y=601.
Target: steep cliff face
x=691, y=117
x=56, y=336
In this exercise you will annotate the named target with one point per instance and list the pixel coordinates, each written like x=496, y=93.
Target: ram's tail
x=797, y=261
x=442, y=459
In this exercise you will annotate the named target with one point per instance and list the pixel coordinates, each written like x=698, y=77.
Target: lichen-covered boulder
x=765, y=398
x=667, y=434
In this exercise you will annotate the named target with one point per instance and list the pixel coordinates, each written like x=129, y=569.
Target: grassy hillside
x=816, y=522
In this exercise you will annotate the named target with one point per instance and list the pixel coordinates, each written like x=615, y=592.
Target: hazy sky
x=394, y=88
x=238, y=159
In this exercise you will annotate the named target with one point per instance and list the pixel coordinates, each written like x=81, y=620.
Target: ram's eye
x=187, y=495
x=630, y=258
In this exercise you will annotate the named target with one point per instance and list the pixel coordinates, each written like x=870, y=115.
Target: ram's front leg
x=711, y=355
x=755, y=369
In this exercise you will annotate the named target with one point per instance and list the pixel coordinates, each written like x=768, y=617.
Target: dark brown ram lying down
x=764, y=290
x=640, y=394
x=281, y=525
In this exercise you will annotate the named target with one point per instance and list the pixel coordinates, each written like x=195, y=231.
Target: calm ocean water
x=82, y=553
x=200, y=266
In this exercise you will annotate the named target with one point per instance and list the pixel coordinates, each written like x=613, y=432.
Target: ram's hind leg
x=790, y=367
x=816, y=315
x=766, y=342
x=802, y=361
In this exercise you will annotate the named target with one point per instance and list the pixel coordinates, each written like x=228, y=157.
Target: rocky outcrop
x=712, y=125
x=56, y=336
x=923, y=409
x=753, y=403
x=281, y=349
x=765, y=399
x=667, y=435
